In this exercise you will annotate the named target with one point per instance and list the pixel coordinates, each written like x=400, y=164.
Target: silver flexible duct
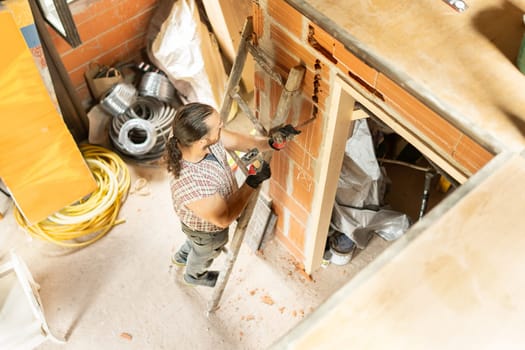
x=118, y=99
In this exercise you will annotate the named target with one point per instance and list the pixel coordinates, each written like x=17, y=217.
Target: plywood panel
x=39, y=160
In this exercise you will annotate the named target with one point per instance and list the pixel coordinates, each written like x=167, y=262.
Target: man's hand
x=258, y=175
x=281, y=136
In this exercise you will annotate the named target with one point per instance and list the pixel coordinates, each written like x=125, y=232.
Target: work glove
x=256, y=175
x=281, y=136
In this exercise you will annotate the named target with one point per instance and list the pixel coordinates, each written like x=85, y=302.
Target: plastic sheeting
x=188, y=54
x=359, y=208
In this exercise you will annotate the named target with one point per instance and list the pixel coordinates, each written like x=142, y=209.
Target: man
x=205, y=193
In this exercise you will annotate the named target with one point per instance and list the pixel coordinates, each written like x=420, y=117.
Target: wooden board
x=39, y=160
x=463, y=63
x=454, y=281
x=227, y=18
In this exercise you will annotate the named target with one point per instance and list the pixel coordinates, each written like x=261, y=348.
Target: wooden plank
x=227, y=18
x=454, y=281
x=331, y=156
x=39, y=162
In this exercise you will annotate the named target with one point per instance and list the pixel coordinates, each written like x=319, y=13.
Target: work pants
x=201, y=248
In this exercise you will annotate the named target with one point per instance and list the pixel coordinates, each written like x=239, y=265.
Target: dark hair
x=188, y=126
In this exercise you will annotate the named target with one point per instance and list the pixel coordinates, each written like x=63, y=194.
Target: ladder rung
x=246, y=109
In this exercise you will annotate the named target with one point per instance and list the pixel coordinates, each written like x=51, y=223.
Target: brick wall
x=292, y=39
x=280, y=31
x=110, y=30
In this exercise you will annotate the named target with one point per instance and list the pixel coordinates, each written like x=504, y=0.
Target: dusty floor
x=123, y=285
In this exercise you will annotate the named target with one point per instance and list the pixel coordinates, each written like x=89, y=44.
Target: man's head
x=196, y=124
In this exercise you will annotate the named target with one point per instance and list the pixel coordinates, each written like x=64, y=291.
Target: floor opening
x=384, y=187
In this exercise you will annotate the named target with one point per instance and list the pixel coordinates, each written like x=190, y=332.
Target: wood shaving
x=281, y=309
x=250, y=318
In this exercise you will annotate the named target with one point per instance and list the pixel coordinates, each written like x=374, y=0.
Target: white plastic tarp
x=359, y=209
x=179, y=49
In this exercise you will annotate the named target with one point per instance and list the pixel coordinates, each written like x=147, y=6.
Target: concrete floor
x=120, y=292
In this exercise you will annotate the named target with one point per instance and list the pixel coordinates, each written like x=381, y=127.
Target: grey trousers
x=200, y=249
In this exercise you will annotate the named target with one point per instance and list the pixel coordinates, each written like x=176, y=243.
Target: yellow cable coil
x=89, y=219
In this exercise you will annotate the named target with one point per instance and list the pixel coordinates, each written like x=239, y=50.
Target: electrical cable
x=89, y=219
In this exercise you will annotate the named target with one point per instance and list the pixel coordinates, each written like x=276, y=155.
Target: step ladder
x=290, y=89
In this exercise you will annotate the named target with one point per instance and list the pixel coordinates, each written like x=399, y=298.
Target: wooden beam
x=330, y=161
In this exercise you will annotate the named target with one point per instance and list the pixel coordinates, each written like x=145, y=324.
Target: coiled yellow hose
x=88, y=220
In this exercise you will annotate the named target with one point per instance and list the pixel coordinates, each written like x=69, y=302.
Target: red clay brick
x=80, y=12
x=323, y=38
x=81, y=55
x=98, y=24
x=348, y=62
x=292, y=46
x=258, y=21
x=284, y=62
x=442, y=133
x=295, y=152
x=280, y=169
x=286, y=16
x=303, y=188
x=117, y=54
x=259, y=81
x=104, y=5
x=296, y=234
x=305, y=113
x=77, y=76
x=136, y=44
x=128, y=9
x=299, y=255
x=278, y=194
x=61, y=45
x=275, y=95
x=279, y=210
x=323, y=88
x=471, y=155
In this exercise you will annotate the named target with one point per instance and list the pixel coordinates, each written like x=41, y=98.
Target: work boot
x=178, y=260
x=208, y=279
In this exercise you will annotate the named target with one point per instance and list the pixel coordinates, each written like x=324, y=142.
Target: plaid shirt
x=200, y=180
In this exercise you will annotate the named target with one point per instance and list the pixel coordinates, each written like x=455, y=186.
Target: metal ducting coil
x=157, y=85
x=149, y=110
x=118, y=99
x=137, y=136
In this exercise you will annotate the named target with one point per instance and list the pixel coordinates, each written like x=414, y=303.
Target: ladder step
x=246, y=109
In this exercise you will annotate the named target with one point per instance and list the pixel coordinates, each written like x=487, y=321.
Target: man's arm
x=222, y=212
x=219, y=211
x=234, y=141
